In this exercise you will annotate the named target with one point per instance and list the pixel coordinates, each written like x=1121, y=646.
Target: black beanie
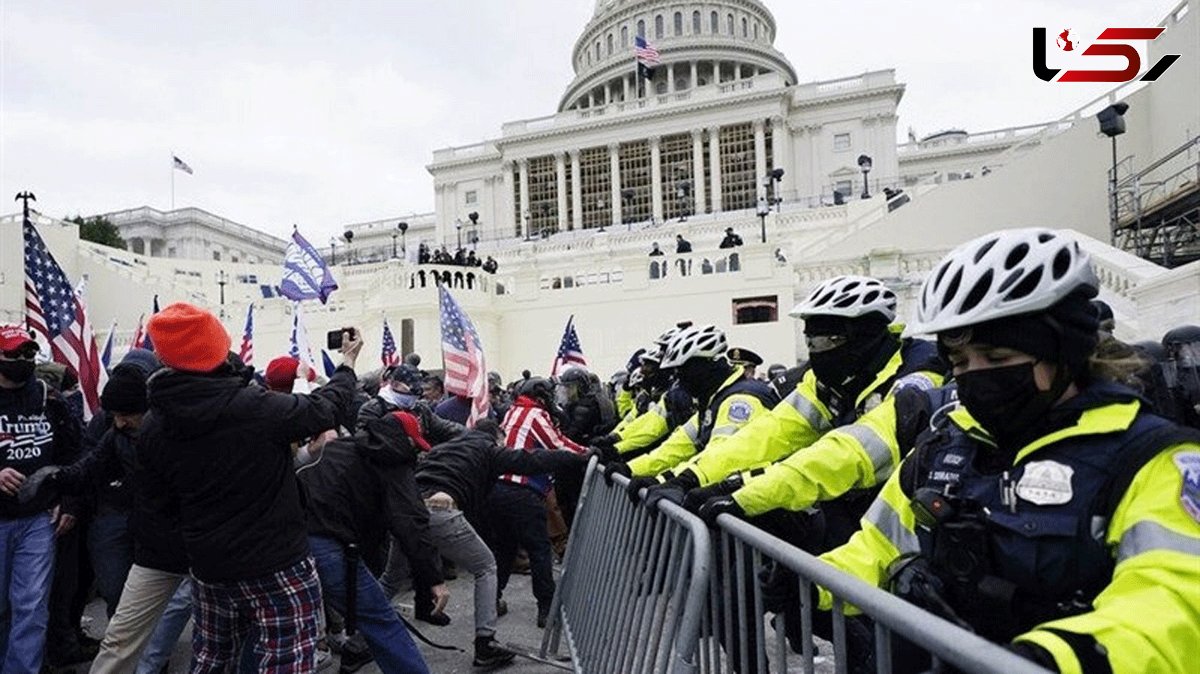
x=125, y=392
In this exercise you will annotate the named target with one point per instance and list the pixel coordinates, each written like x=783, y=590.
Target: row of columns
x=741, y=71
x=780, y=147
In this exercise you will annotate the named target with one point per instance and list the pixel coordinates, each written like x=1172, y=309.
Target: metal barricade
x=634, y=585
x=737, y=607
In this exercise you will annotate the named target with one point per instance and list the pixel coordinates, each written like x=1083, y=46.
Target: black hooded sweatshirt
x=216, y=453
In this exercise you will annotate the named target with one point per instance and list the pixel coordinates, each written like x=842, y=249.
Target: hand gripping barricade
x=649, y=592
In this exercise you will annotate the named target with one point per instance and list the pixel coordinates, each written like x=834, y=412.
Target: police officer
x=747, y=359
x=1053, y=511
x=727, y=402
x=858, y=361
x=1182, y=369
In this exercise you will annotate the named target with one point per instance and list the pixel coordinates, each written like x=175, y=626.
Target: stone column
x=506, y=223
x=695, y=75
x=576, y=192
x=698, y=191
x=760, y=155
x=523, y=165
x=591, y=98
x=625, y=85
x=670, y=78
x=714, y=160
x=614, y=173
x=560, y=175
x=656, y=191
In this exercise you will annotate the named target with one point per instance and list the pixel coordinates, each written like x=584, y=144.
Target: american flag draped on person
x=462, y=358
x=569, y=351
x=57, y=315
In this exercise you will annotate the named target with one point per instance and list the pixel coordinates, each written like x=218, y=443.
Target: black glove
x=43, y=478
x=697, y=497
x=609, y=441
x=669, y=491
x=1034, y=653
x=720, y=505
x=637, y=484
x=607, y=453
x=780, y=587
x=615, y=468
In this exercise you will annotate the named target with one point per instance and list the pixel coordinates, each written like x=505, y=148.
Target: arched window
x=745, y=28
x=714, y=21
x=695, y=23
x=610, y=41
x=597, y=50
x=729, y=24
x=641, y=28
x=624, y=36
x=678, y=24
x=658, y=27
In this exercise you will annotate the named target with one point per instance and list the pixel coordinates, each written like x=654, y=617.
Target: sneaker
x=489, y=653
x=440, y=618
x=543, y=614
x=501, y=607
x=354, y=659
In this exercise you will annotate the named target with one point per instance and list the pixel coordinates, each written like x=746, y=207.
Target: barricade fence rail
x=648, y=591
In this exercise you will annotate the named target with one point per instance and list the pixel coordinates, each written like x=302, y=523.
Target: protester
x=655, y=251
x=731, y=240
x=221, y=453
x=682, y=245
x=433, y=390
x=37, y=429
x=287, y=374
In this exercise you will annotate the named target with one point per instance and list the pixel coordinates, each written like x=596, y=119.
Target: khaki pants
x=143, y=600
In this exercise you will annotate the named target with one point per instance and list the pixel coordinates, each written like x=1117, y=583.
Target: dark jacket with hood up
x=217, y=453
x=435, y=429
x=363, y=487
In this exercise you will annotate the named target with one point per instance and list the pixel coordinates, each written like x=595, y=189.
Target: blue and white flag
x=299, y=347
x=305, y=274
x=328, y=363
x=106, y=352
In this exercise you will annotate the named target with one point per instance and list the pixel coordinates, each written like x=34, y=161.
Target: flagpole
x=172, y=180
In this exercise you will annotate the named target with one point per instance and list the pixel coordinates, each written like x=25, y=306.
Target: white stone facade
x=194, y=234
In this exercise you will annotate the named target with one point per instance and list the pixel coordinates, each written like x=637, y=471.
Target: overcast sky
x=325, y=113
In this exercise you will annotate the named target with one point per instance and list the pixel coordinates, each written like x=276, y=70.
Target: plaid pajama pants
x=281, y=612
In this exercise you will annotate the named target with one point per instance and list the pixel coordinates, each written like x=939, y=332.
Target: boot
x=489, y=653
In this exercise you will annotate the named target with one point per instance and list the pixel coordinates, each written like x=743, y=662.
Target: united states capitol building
x=725, y=134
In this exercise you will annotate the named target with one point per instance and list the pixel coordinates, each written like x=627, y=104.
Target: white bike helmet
x=1007, y=273
x=706, y=341
x=635, y=378
x=849, y=297
x=654, y=353
x=665, y=338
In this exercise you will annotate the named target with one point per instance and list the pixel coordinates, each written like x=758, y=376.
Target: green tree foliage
x=98, y=229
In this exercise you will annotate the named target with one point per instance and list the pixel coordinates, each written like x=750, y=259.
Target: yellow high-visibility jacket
x=735, y=404
x=801, y=418
x=1148, y=616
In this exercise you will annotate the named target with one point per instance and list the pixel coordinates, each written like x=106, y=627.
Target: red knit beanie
x=281, y=374
x=188, y=338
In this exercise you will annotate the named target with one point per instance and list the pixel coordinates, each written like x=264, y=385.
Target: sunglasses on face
x=822, y=343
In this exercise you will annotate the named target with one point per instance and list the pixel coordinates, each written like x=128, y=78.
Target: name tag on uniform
x=1046, y=483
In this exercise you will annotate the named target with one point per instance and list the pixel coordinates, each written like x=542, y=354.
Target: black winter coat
x=435, y=429
x=362, y=488
x=467, y=467
x=37, y=429
x=216, y=453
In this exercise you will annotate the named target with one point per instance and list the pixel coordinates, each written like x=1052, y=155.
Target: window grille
x=635, y=175
x=738, y=182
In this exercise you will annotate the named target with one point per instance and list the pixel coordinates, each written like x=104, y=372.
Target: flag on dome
x=646, y=56
x=246, y=352
x=462, y=358
x=388, y=354
x=182, y=165
x=305, y=274
x=569, y=351
x=58, y=315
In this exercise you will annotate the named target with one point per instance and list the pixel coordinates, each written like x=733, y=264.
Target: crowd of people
x=1023, y=474
x=460, y=258
x=683, y=246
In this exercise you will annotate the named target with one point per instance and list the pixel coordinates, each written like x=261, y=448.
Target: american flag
x=246, y=353
x=569, y=351
x=388, y=354
x=57, y=314
x=462, y=358
x=182, y=165
x=645, y=53
x=139, y=334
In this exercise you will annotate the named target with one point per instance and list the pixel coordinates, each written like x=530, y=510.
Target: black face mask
x=17, y=371
x=836, y=367
x=1006, y=401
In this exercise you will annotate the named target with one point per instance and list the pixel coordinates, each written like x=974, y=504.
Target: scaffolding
x=1155, y=212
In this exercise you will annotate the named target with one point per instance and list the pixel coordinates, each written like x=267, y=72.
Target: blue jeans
x=393, y=648
x=170, y=627
x=26, y=565
x=111, y=546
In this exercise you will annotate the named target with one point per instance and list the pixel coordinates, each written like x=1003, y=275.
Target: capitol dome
x=700, y=43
